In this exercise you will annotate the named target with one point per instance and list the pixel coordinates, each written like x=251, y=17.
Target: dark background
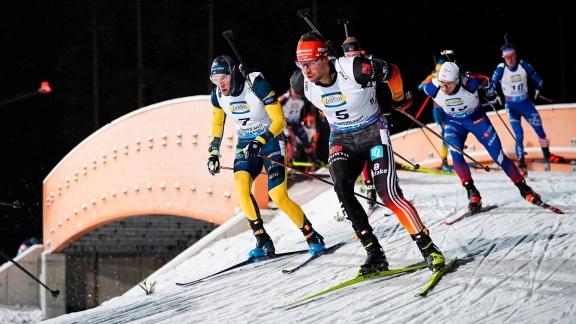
x=88, y=51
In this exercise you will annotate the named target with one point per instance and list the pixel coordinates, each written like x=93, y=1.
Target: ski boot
x=430, y=251
x=264, y=244
x=528, y=193
x=371, y=193
x=475, y=201
x=314, y=239
x=551, y=157
x=376, y=260
x=446, y=167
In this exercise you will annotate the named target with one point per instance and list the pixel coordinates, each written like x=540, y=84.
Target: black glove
x=252, y=149
x=213, y=164
x=493, y=98
x=405, y=102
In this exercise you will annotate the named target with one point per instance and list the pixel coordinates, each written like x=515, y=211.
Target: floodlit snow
x=519, y=264
x=20, y=314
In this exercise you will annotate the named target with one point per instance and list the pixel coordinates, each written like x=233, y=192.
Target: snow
x=519, y=263
x=20, y=314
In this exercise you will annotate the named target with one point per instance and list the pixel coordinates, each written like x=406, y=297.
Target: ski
x=400, y=166
x=567, y=161
x=250, y=260
x=371, y=209
x=470, y=213
x=328, y=250
x=552, y=208
x=361, y=278
x=435, y=278
x=296, y=175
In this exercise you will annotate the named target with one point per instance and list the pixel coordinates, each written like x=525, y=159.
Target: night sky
x=88, y=51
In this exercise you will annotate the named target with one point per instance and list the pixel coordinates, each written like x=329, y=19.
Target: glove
x=253, y=149
x=536, y=94
x=493, y=98
x=405, y=102
x=242, y=70
x=214, y=164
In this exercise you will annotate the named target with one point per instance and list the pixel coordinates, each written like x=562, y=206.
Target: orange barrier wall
x=421, y=146
x=151, y=161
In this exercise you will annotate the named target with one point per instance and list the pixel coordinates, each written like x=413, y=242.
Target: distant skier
x=439, y=117
x=458, y=94
x=513, y=75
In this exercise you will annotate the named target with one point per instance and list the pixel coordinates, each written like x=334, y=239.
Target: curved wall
x=153, y=162
x=149, y=162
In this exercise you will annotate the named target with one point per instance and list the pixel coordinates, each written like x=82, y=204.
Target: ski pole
x=44, y=88
x=544, y=98
x=422, y=107
x=445, y=141
x=430, y=141
x=15, y=204
x=54, y=293
x=228, y=35
x=316, y=178
x=448, y=54
x=344, y=22
x=416, y=166
x=303, y=13
x=509, y=131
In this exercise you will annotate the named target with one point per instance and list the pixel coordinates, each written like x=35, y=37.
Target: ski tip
x=448, y=223
x=436, y=277
x=556, y=210
x=552, y=208
x=186, y=284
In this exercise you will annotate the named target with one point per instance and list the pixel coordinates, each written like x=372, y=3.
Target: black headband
x=351, y=47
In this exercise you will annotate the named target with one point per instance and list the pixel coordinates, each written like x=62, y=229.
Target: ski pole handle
x=15, y=204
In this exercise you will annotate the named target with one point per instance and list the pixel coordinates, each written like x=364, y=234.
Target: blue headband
x=507, y=50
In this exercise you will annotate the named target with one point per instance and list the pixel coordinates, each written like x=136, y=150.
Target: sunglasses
x=310, y=64
x=223, y=79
